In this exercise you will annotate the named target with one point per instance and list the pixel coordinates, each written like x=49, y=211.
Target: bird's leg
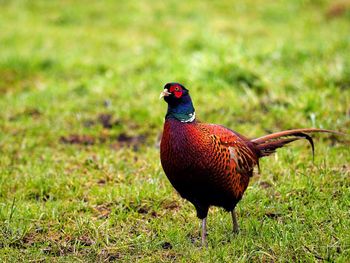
x=234, y=222
x=204, y=232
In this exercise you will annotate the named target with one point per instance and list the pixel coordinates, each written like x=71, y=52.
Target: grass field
x=80, y=120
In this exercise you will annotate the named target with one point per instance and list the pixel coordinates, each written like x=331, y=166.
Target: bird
x=209, y=164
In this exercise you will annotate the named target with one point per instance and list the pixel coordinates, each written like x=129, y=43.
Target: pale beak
x=164, y=93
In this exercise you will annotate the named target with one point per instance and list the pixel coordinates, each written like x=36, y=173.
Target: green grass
x=253, y=66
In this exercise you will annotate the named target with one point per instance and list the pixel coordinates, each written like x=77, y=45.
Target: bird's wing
x=241, y=150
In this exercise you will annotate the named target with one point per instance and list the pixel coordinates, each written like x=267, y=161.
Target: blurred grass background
x=80, y=121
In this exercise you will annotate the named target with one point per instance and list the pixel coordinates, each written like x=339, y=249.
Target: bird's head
x=179, y=102
x=174, y=93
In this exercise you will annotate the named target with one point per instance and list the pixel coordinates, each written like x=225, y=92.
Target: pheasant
x=208, y=164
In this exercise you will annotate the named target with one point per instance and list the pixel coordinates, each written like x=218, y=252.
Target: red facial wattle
x=176, y=90
x=178, y=94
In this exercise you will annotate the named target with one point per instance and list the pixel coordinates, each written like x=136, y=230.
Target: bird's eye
x=177, y=89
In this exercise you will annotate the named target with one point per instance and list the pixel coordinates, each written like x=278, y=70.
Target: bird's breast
x=185, y=150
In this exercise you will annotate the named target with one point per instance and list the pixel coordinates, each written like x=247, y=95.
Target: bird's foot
x=204, y=243
x=235, y=231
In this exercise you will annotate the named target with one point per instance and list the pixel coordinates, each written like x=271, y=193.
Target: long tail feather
x=270, y=147
x=269, y=143
x=291, y=133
